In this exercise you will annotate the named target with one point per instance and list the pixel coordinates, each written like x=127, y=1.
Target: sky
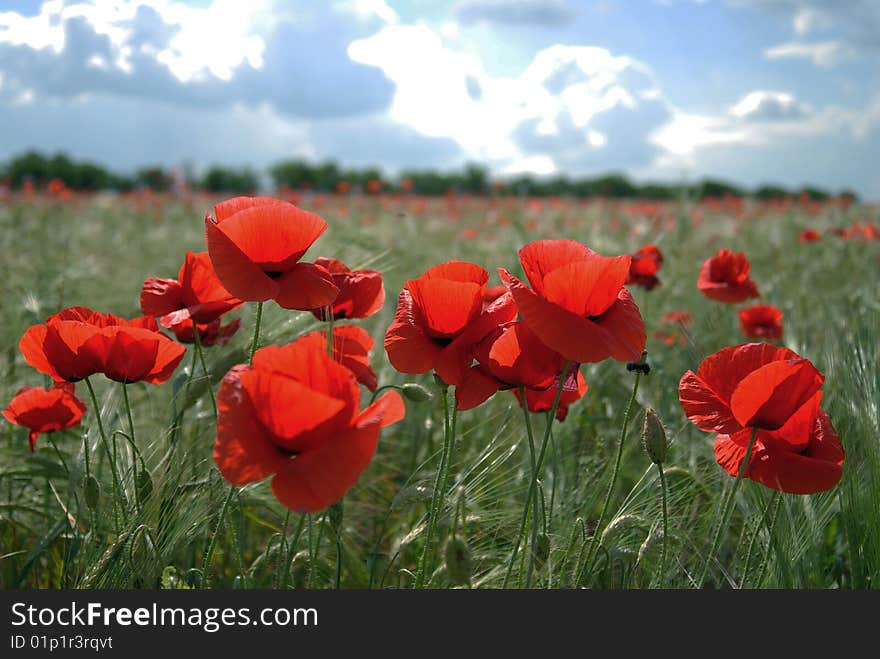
x=751, y=91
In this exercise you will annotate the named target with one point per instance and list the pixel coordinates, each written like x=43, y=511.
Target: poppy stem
x=198, y=343
x=777, y=500
x=256, y=333
x=597, y=533
x=132, y=440
x=533, y=484
x=110, y=456
x=663, y=496
x=209, y=553
x=726, y=510
x=328, y=314
x=754, y=539
x=439, y=494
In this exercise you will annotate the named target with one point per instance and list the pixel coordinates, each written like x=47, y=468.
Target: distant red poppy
x=809, y=236
x=256, y=244
x=771, y=389
x=351, y=348
x=41, y=410
x=644, y=267
x=361, y=292
x=677, y=317
x=761, y=321
x=725, y=278
x=542, y=400
x=78, y=342
x=295, y=414
x=577, y=305
x=197, y=295
x=440, y=318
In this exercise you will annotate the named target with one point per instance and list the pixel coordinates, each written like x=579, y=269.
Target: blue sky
x=782, y=91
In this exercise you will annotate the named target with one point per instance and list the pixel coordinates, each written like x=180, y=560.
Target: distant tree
x=155, y=178
x=230, y=179
x=768, y=192
x=816, y=194
x=715, y=188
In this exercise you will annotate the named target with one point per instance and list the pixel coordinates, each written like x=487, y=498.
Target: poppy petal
x=161, y=296
x=240, y=276
x=242, y=452
x=704, y=407
x=588, y=287
x=273, y=236
x=408, y=349
x=769, y=395
x=230, y=207
x=306, y=286
x=32, y=348
x=624, y=327
x=541, y=257
x=446, y=305
x=475, y=389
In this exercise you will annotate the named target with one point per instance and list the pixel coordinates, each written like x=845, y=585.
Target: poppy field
x=388, y=390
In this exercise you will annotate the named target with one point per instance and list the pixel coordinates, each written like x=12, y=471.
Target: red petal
x=32, y=348
x=231, y=206
x=446, y=305
x=408, y=349
x=624, y=327
x=320, y=477
x=518, y=358
x=541, y=257
x=160, y=296
x=388, y=409
x=475, y=389
x=274, y=236
x=243, y=452
x=574, y=337
x=724, y=370
x=306, y=286
x=704, y=407
x=769, y=395
x=588, y=287
x=290, y=410
x=239, y=275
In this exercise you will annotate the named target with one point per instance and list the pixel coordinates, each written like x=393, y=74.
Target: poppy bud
x=542, y=550
x=415, y=392
x=458, y=561
x=299, y=570
x=92, y=491
x=654, y=437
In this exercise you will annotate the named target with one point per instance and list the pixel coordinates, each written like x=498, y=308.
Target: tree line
x=328, y=176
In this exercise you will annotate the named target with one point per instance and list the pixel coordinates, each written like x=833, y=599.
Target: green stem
x=58, y=453
x=338, y=521
x=663, y=495
x=726, y=510
x=533, y=484
x=198, y=343
x=438, y=496
x=535, y=476
x=754, y=539
x=597, y=533
x=256, y=333
x=137, y=498
x=178, y=420
x=209, y=553
x=777, y=500
x=281, y=547
x=116, y=487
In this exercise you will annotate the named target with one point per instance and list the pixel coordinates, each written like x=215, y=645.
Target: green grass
x=97, y=252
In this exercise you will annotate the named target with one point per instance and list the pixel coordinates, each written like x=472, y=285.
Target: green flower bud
x=458, y=561
x=542, y=550
x=415, y=392
x=92, y=492
x=654, y=437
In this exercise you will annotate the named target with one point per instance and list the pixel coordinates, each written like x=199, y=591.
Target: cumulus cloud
x=825, y=54
x=547, y=13
x=223, y=54
x=769, y=106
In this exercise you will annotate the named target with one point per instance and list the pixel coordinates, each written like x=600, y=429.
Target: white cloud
x=769, y=106
x=825, y=54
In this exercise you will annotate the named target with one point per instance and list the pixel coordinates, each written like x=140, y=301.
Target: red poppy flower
x=78, y=342
x=771, y=389
x=294, y=415
x=542, y=400
x=41, y=410
x=725, y=278
x=644, y=267
x=816, y=468
x=361, y=292
x=197, y=295
x=440, y=318
x=677, y=317
x=809, y=236
x=509, y=357
x=351, y=348
x=209, y=334
x=761, y=321
x=577, y=305
x=256, y=244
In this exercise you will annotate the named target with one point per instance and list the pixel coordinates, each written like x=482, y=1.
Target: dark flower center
x=273, y=274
